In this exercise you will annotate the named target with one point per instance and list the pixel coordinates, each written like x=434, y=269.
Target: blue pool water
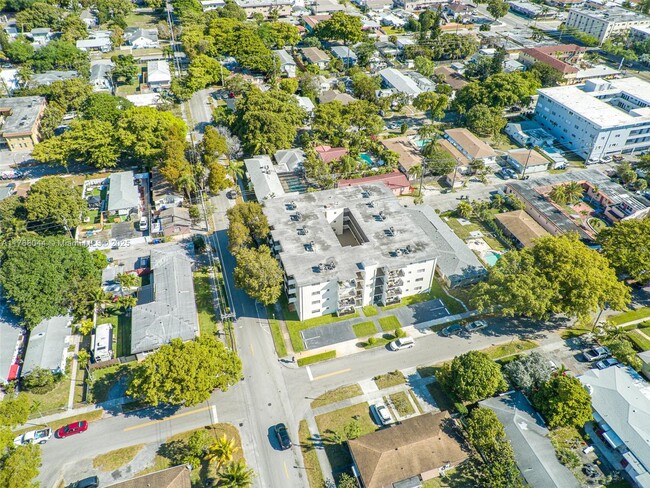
x=491, y=257
x=420, y=143
x=365, y=157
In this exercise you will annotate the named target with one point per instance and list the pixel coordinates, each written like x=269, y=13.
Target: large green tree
x=473, y=376
x=558, y=275
x=341, y=27
x=259, y=274
x=39, y=14
x=18, y=464
x=55, y=200
x=627, y=246
x=36, y=275
x=60, y=54
x=563, y=401
x=185, y=373
x=104, y=107
x=433, y=103
x=485, y=121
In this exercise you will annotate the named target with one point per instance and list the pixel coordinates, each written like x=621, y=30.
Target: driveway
x=326, y=335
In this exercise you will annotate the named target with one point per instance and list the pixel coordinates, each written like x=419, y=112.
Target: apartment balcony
x=393, y=292
x=391, y=300
x=396, y=274
x=359, y=275
x=380, y=272
x=347, y=284
x=350, y=292
x=346, y=302
x=379, y=280
x=291, y=299
x=345, y=311
x=395, y=282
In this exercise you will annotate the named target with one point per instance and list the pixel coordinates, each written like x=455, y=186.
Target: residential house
x=400, y=82
x=565, y=4
x=620, y=399
x=101, y=44
x=534, y=454
x=176, y=477
x=564, y=58
x=48, y=345
x=334, y=242
x=292, y=159
x=457, y=265
x=374, y=4
x=332, y=95
x=102, y=343
x=48, y=77
x=287, y=63
x=212, y=4
x=327, y=6
x=164, y=194
x=139, y=38
x=41, y=35
x=512, y=65
x=20, y=122
x=11, y=341
x=264, y=177
x=409, y=155
x=166, y=308
x=532, y=10
x=327, y=154
x=175, y=221
x=12, y=32
x=100, y=77
x=123, y=195
x=461, y=160
x=345, y=54
x=451, y=77
x=416, y=5
x=88, y=18
x=471, y=146
x=281, y=8
x=645, y=363
x=415, y=450
x=158, y=75
x=526, y=160
x=520, y=227
x=311, y=21
x=306, y=104
x=395, y=181
x=316, y=56
x=529, y=133
x=460, y=11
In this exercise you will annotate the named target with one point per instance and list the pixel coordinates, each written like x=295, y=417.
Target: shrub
x=39, y=381
x=460, y=408
x=568, y=457
x=399, y=333
x=372, y=341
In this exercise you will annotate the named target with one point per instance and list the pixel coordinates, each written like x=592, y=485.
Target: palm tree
x=464, y=209
x=235, y=170
x=574, y=192
x=236, y=475
x=127, y=301
x=187, y=183
x=221, y=451
x=99, y=299
x=415, y=171
x=558, y=194
x=498, y=202
x=128, y=280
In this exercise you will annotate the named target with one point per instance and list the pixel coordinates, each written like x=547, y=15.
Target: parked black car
x=283, y=436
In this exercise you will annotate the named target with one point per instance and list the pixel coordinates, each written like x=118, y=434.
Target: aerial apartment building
x=603, y=23
x=345, y=248
x=599, y=118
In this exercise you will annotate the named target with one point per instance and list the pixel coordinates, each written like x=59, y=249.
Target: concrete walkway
x=319, y=447
x=73, y=373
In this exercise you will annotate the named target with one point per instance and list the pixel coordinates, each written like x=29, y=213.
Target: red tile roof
x=327, y=154
x=545, y=54
x=393, y=181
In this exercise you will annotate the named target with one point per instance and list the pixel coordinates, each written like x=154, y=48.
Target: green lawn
x=637, y=314
x=364, y=329
x=204, y=304
x=389, y=323
x=379, y=341
x=387, y=380
x=53, y=401
x=333, y=396
x=440, y=396
x=336, y=421
x=508, y=349
x=463, y=231
x=121, y=331
x=316, y=358
x=112, y=460
x=575, y=331
x=309, y=456
x=369, y=310
x=278, y=340
x=640, y=340
x=400, y=401
x=141, y=19
x=436, y=291
x=105, y=378
x=294, y=325
x=198, y=476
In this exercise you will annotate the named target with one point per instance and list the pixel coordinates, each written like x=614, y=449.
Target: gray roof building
x=397, y=80
x=292, y=159
x=122, y=192
x=264, y=177
x=20, y=114
x=532, y=447
x=344, y=53
x=7, y=190
x=48, y=344
x=457, y=264
x=166, y=308
x=11, y=335
x=620, y=399
x=48, y=77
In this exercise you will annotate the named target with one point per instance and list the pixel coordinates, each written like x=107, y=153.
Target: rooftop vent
x=291, y=205
x=409, y=249
x=365, y=194
x=303, y=231
x=398, y=252
x=297, y=217
x=370, y=205
x=391, y=231
x=330, y=264
x=382, y=215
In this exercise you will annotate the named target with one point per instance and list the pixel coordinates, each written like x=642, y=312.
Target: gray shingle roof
x=528, y=435
x=122, y=191
x=166, y=308
x=47, y=344
x=456, y=261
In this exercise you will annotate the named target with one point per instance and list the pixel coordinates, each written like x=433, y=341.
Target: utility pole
x=530, y=151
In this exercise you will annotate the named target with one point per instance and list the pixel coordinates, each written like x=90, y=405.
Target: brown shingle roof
x=546, y=55
x=315, y=55
x=522, y=226
x=452, y=78
x=176, y=477
x=451, y=149
x=415, y=446
x=472, y=145
x=409, y=156
x=523, y=156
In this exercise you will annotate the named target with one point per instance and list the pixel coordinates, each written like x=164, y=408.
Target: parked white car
x=401, y=343
x=382, y=414
x=34, y=437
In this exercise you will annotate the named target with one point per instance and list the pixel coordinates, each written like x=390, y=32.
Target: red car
x=72, y=429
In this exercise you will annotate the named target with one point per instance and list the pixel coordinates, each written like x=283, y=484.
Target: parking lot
x=568, y=354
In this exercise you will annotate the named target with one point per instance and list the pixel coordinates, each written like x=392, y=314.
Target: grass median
x=316, y=358
x=364, y=329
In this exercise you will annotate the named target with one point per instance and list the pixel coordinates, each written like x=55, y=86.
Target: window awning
x=612, y=439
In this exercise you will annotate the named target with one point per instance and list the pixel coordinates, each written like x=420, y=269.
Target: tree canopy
x=557, y=275
x=185, y=373
x=473, y=376
x=55, y=201
x=104, y=107
x=627, y=246
x=37, y=275
x=341, y=27
x=529, y=372
x=563, y=401
x=18, y=464
x=485, y=121
x=259, y=274
x=497, y=91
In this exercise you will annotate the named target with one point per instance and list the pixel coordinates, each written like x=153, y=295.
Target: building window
x=417, y=288
x=316, y=302
x=421, y=270
x=314, y=293
x=316, y=311
x=419, y=279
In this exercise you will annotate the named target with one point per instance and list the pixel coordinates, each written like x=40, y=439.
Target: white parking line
x=311, y=377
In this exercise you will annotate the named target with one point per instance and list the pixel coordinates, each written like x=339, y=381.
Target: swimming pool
x=365, y=157
x=420, y=143
x=491, y=257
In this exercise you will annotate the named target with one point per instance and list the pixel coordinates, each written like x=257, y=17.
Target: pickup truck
x=34, y=437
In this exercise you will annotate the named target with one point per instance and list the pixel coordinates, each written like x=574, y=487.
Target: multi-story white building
x=603, y=23
x=345, y=248
x=598, y=118
x=266, y=7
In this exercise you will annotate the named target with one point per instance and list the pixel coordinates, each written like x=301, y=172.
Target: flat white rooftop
x=600, y=112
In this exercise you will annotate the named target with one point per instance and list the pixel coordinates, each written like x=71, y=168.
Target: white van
x=401, y=343
x=144, y=224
